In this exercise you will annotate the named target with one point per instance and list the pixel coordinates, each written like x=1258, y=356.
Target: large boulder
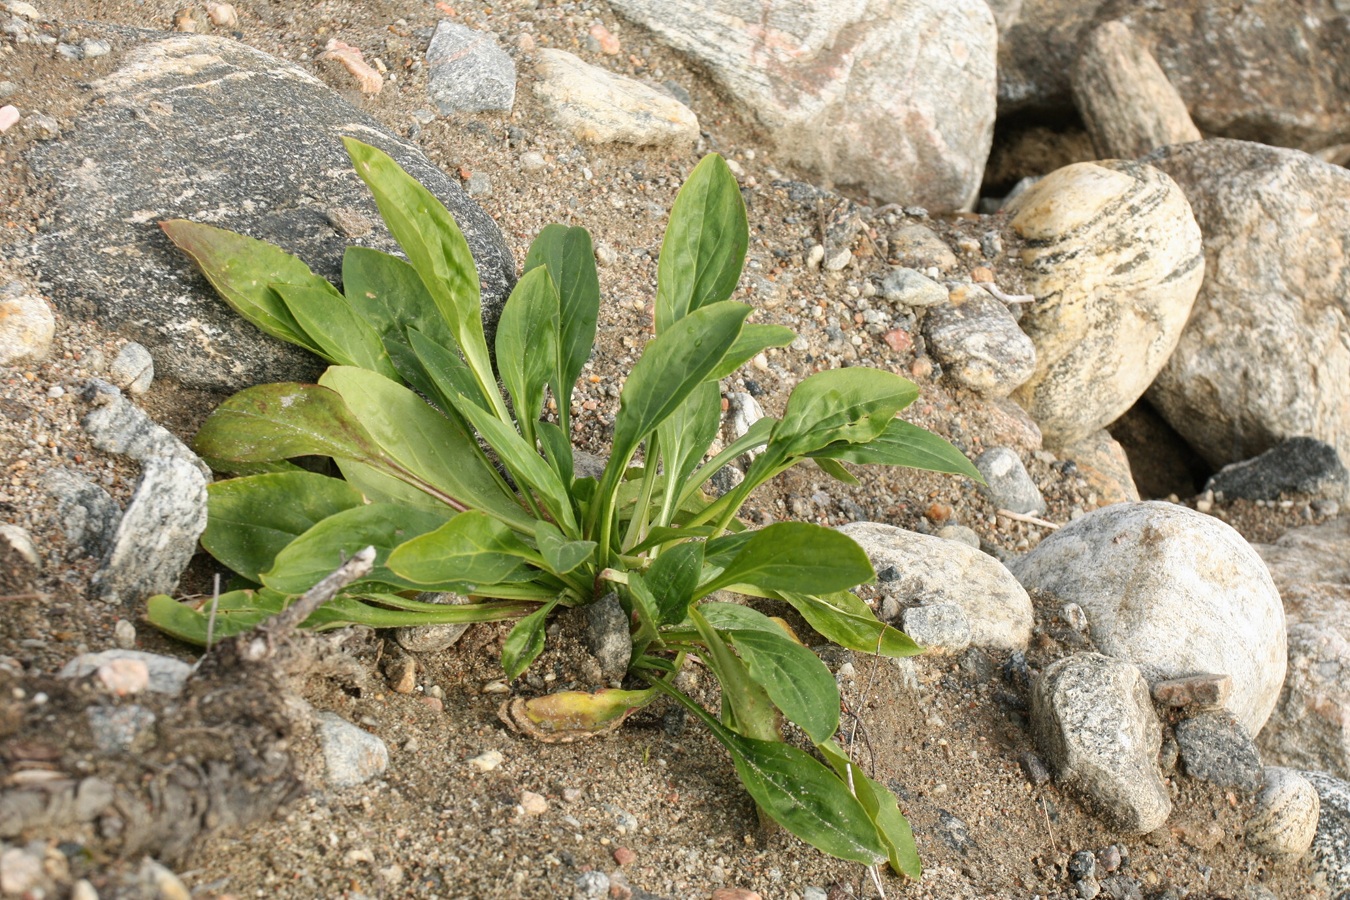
x=1310, y=727
x=1175, y=592
x=896, y=99
x=1265, y=70
x=1113, y=257
x=212, y=130
x=1266, y=354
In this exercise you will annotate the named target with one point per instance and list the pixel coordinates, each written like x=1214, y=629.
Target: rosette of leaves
x=451, y=469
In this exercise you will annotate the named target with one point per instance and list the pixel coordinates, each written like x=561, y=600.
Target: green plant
x=411, y=391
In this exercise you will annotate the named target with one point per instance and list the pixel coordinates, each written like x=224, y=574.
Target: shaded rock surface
x=235, y=138
x=599, y=107
x=918, y=569
x=1216, y=748
x=1094, y=722
x=1331, y=844
x=1298, y=465
x=1175, y=592
x=1113, y=259
x=1273, y=316
x=894, y=98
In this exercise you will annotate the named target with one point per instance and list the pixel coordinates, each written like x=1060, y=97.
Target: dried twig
x=1033, y=520
x=994, y=291
x=290, y=618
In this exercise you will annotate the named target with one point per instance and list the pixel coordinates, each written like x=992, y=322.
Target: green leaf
x=673, y=578
x=903, y=444
x=570, y=259
x=881, y=806
x=526, y=344
x=424, y=447
x=282, y=421
x=471, y=549
x=796, y=556
x=526, y=641
x=446, y=373
x=436, y=248
x=704, y=247
x=660, y=536
x=754, y=340
x=853, y=405
x=797, y=791
x=796, y=680
x=234, y=614
x=684, y=438
x=378, y=486
x=331, y=542
x=343, y=336
x=558, y=449
x=250, y=520
x=390, y=295
x=834, y=469
x=671, y=367
x=842, y=618
x=242, y=269
x=560, y=554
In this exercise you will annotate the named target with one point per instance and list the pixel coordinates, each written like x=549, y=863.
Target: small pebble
x=133, y=369
x=735, y=894
x=124, y=634
x=433, y=703
x=533, y=804
x=593, y=884
x=93, y=48
x=605, y=255
x=123, y=677
x=609, y=44
x=19, y=871
x=222, y=15
x=571, y=795
x=623, y=856
x=532, y=161
x=486, y=761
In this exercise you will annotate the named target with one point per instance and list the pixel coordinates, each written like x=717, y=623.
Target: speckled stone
x=1284, y=819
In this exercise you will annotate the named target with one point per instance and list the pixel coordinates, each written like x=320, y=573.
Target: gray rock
x=939, y=627
x=919, y=569
x=607, y=636
x=167, y=675
x=117, y=425
x=600, y=107
x=1267, y=72
x=1297, y=465
x=1311, y=567
x=1175, y=592
x=743, y=411
x=1284, y=818
x=1273, y=316
x=120, y=729
x=27, y=324
x=961, y=534
x=20, y=562
x=911, y=288
x=1007, y=482
x=157, y=534
x=351, y=756
x=212, y=130
x=1092, y=718
x=133, y=369
x=980, y=344
x=1331, y=844
x=1113, y=258
x=919, y=247
x=468, y=72
x=593, y=884
x=431, y=638
x=895, y=98
x=1216, y=748
x=88, y=515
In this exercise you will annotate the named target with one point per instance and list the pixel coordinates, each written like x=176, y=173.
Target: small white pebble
x=124, y=676
x=124, y=634
x=56, y=391
x=605, y=255
x=571, y=795
x=487, y=761
x=496, y=687
x=533, y=804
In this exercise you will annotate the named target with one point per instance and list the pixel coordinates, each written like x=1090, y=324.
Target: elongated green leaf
x=570, y=259
x=235, y=613
x=390, y=295
x=378, y=486
x=522, y=460
x=445, y=372
x=671, y=367
x=736, y=617
x=560, y=554
x=343, y=336
x=436, y=248
x=250, y=520
x=903, y=444
x=643, y=605
x=558, y=449
x=471, y=549
x=704, y=247
x=242, y=269
x=684, y=438
x=881, y=806
x=672, y=579
x=331, y=542
x=281, y=421
x=847, y=621
x=796, y=556
x=797, y=791
x=794, y=677
x=754, y=339
x=423, y=443
x=526, y=343
x=660, y=536
x=853, y=405
x=835, y=469
x=526, y=641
